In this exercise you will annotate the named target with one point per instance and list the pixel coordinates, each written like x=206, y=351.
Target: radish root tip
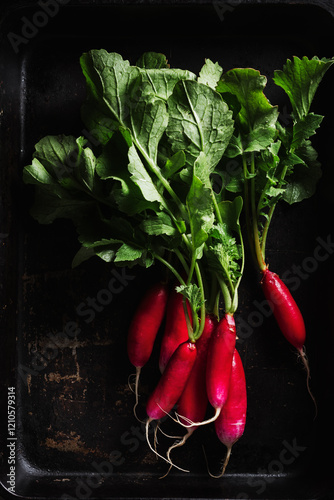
x=302, y=353
x=148, y=421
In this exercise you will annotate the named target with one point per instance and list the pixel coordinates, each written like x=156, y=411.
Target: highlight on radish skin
x=171, y=385
x=144, y=328
x=288, y=316
x=218, y=368
x=230, y=424
x=176, y=329
x=192, y=404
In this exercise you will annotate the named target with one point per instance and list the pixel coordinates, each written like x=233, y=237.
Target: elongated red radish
x=285, y=309
x=219, y=362
x=230, y=424
x=176, y=330
x=193, y=402
x=171, y=385
x=218, y=368
x=172, y=381
x=287, y=315
x=144, y=327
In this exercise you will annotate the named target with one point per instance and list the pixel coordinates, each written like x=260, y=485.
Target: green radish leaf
x=230, y=212
x=141, y=178
x=130, y=256
x=161, y=82
x=36, y=173
x=200, y=209
x=106, y=254
x=112, y=165
x=234, y=184
x=199, y=121
x=305, y=128
x=50, y=205
x=232, y=102
x=82, y=255
x=111, y=85
x=152, y=60
x=174, y=164
x=302, y=184
x=269, y=186
x=300, y=79
x=127, y=253
x=62, y=160
x=210, y=74
x=202, y=171
x=235, y=146
x=115, y=239
x=160, y=224
x=95, y=231
x=114, y=157
x=85, y=172
x=64, y=173
x=58, y=154
x=258, y=139
x=256, y=119
x=223, y=253
x=193, y=294
x=148, y=123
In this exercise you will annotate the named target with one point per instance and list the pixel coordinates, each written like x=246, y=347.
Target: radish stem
x=258, y=250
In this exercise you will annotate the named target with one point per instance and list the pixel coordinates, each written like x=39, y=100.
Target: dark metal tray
x=63, y=330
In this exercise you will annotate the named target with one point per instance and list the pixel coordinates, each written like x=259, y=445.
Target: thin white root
x=148, y=421
x=304, y=359
x=182, y=441
x=227, y=458
x=156, y=442
x=197, y=424
x=130, y=384
x=168, y=435
x=136, y=391
x=165, y=475
x=226, y=461
x=174, y=420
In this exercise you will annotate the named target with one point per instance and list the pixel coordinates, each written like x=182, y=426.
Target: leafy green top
x=145, y=190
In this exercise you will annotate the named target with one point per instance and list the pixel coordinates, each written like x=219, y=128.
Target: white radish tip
x=136, y=391
x=226, y=461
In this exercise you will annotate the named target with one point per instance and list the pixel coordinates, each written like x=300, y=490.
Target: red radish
x=230, y=424
x=218, y=368
x=193, y=402
x=145, y=326
x=287, y=314
x=176, y=330
x=285, y=309
x=219, y=362
x=172, y=381
x=171, y=384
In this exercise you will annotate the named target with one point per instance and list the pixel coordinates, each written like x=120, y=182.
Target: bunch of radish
x=195, y=374
x=156, y=188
